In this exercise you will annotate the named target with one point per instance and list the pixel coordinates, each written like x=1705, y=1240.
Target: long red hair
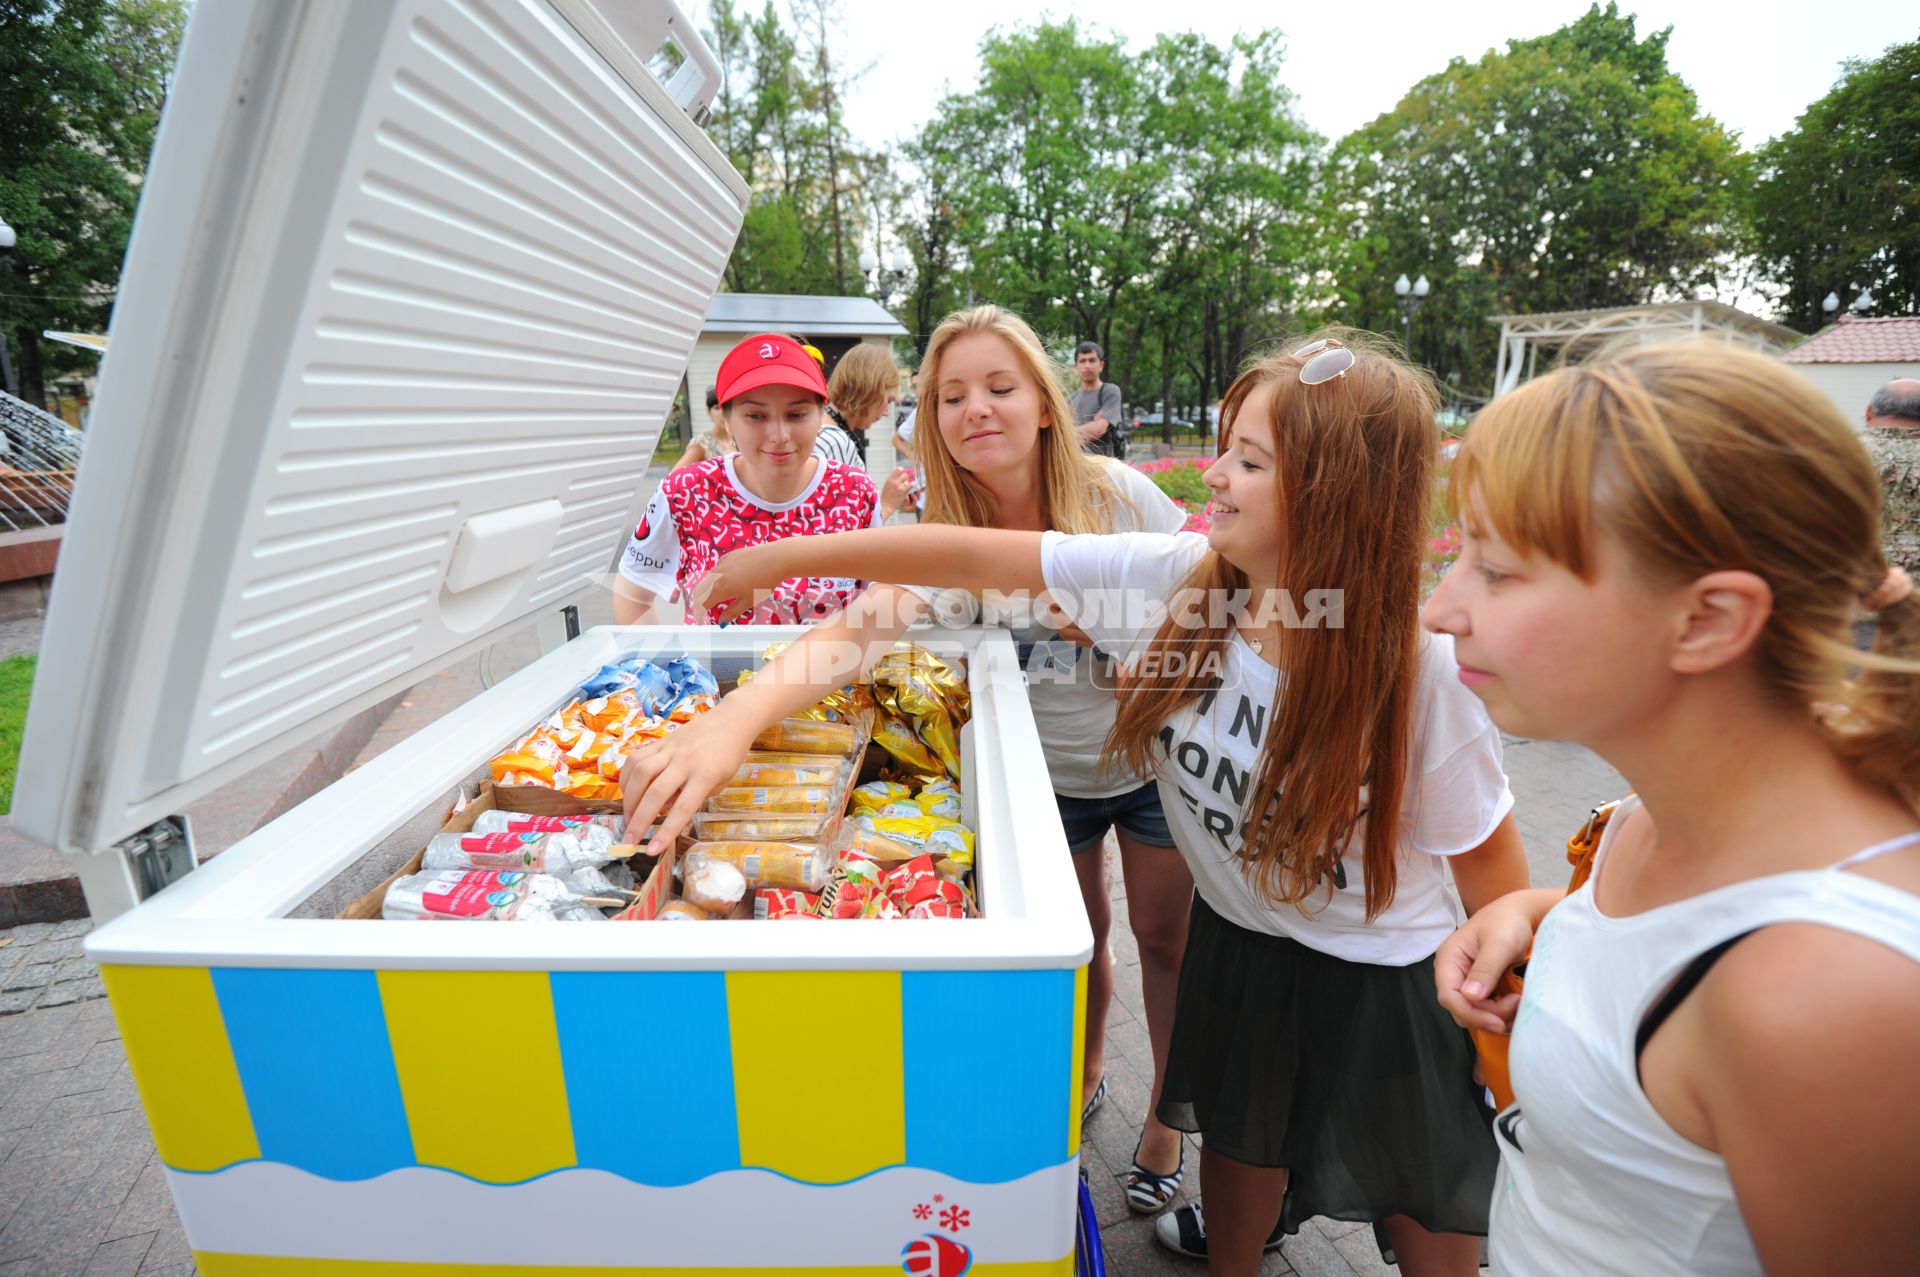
x=1354, y=464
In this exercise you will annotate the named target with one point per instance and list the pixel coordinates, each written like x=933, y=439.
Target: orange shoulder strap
x=1584, y=843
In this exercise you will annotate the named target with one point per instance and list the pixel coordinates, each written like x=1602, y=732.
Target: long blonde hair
x=1353, y=463
x=1076, y=492
x=1701, y=458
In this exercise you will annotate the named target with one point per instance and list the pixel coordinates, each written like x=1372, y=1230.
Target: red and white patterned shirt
x=703, y=512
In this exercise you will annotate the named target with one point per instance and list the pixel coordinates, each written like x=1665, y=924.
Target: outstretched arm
x=671, y=777
x=976, y=559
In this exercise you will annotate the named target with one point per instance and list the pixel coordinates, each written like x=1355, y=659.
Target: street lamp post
x=7, y=241
x=878, y=281
x=1412, y=297
x=1861, y=304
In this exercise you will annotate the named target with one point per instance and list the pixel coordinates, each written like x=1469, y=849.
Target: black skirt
x=1346, y=1074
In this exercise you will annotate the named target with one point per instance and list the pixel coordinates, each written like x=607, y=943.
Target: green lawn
x=16, y=685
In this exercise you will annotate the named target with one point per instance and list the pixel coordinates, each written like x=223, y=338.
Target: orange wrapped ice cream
x=532, y=762
x=735, y=827
x=770, y=864
x=753, y=773
x=869, y=845
x=808, y=736
x=786, y=800
x=608, y=712
x=589, y=785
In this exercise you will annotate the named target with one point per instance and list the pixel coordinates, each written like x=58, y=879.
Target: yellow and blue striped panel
x=350, y=1074
x=990, y=1071
x=312, y=1051
x=478, y=1055
x=630, y=1034
x=809, y=1046
x=175, y=1036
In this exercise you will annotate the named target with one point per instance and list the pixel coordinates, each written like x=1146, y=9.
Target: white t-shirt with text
x=1210, y=750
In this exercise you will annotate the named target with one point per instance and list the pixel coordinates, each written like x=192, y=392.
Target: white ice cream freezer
x=411, y=287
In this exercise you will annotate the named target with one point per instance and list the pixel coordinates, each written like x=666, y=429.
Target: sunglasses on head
x=1324, y=360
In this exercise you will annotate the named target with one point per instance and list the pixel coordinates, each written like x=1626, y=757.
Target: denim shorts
x=1136, y=814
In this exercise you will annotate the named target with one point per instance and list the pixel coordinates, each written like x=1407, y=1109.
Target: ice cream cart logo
x=932, y=1255
x=935, y=1256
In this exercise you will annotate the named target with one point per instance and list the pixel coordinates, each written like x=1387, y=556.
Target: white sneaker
x=1184, y=1232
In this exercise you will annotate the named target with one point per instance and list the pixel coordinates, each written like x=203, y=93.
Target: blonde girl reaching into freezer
x=994, y=454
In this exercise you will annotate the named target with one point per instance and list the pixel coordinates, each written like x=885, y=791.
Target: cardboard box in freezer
x=411, y=287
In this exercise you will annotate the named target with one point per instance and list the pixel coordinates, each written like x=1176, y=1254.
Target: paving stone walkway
x=81, y=1188
x=45, y=968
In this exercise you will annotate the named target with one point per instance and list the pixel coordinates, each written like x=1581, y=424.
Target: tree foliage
x=1150, y=201
x=1837, y=204
x=778, y=118
x=1167, y=202
x=81, y=84
x=1572, y=171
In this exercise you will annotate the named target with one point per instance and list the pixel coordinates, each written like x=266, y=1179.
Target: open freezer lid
x=411, y=288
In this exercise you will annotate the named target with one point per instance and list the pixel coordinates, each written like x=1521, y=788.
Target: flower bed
x=1180, y=478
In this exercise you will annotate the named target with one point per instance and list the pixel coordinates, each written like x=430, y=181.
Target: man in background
x=1893, y=441
x=1895, y=404
x=1096, y=404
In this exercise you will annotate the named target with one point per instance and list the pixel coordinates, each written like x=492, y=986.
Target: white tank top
x=1592, y=1179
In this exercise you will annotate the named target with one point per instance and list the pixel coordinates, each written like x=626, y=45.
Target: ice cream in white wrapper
x=595, y=833
x=480, y=895
x=559, y=854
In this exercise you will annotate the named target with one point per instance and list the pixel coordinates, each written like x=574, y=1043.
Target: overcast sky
x=1755, y=64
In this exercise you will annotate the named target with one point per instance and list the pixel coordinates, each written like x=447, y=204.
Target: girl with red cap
x=772, y=392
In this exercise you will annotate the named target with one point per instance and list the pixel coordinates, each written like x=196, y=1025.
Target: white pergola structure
x=1569, y=336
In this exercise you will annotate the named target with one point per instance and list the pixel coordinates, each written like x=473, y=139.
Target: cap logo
x=769, y=350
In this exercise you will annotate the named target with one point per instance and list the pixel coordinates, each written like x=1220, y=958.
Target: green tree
x=777, y=117
x=1837, y=203
x=1572, y=171
x=1154, y=202
x=1045, y=176
x=81, y=85
x=1230, y=223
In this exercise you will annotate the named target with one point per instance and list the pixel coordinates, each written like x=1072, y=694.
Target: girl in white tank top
x=1601, y=1155
x=1714, y=1060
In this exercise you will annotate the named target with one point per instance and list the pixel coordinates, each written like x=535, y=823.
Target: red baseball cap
x=770, y=359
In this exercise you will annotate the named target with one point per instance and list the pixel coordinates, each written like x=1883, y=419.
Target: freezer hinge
x=160, y=854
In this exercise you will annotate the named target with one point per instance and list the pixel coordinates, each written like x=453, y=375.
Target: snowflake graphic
x=938, y=1198
x=923, y=1211
x=953, y=1218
